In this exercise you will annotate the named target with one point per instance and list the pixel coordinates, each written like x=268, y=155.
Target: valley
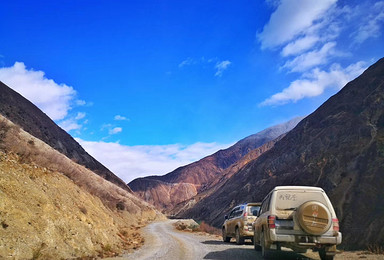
x=339, y=147
x=57, y=201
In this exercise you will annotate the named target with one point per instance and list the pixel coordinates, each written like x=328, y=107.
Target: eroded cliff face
x=164, y=195
x=181, y=208
x=340, y=147
x=166, y=191
x=53, y=208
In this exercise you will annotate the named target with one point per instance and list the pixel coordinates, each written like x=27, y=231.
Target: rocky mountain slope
x=54, y=208
x=179, y=209
x=339, y=147
x=31, y=119
x=185, y=182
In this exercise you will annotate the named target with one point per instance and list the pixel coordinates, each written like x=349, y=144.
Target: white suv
x=299, y=218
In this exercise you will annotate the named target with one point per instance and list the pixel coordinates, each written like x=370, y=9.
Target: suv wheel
x=265, y=252
x=256, y=246
x=225, y=237
x=239, y=239
x=323, y=255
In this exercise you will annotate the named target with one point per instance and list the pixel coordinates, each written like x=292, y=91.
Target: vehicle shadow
x=289, y=255
x=218, y=242
x=213, y=242
x=234, y=253
x=250, y=253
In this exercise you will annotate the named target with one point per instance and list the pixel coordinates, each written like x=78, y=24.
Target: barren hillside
x=31, y=119
x=52, y=208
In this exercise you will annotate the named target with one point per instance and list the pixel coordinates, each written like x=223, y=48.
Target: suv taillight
x=335, y=223
x=271, y=221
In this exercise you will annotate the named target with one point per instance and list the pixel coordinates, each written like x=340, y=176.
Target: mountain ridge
x=167, y=190
x=30, y=118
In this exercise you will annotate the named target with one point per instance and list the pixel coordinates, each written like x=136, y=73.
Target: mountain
x=185, y=182
x=31, y=119
x=54, y=208
x=339, y=147
x=179, y=209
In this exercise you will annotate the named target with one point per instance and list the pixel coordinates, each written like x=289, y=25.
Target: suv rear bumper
x=247, y=231
x=305, y=240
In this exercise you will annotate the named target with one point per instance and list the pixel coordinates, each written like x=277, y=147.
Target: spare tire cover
x=314, y=217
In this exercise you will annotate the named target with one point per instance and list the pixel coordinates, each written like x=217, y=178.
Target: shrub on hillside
x=204, y=227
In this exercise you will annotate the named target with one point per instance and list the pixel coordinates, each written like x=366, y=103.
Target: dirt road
x=163, y=241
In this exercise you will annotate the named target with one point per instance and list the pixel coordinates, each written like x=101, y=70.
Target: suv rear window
x=293, y=199
x=253, y=209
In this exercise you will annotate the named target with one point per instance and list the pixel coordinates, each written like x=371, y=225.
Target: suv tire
x=323, y=255
x=265, y=251
x=314, y=217
x=225, y=237
x=239, y=238
x=256, y=246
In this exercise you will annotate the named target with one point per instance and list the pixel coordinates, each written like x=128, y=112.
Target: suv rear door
x=262, y=216
x=232, y=221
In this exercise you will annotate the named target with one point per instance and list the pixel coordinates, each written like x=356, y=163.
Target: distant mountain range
x=339, y=147
x=186, y=182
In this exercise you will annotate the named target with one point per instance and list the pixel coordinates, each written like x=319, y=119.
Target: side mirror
x=226, y=217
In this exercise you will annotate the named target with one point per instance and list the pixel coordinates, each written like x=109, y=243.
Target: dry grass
x=376, y=249
x=192, y=226
x=83, y=212
x=204, y=227
x=33, y=151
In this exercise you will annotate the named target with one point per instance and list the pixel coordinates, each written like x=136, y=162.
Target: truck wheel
x=239, y=238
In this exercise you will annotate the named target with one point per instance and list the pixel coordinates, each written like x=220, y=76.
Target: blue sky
x=147, y=86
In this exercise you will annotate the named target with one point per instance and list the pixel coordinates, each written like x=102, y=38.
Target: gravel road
x=163, y=241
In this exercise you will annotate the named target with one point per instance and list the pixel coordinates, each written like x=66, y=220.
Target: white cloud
x=106, y=126
x=52, y=98
x=186, y=62
x=221, y=67
x=130, y=162
x=291, y=19
x=300, y=45
x=370, y=27
x=81, y=103
x=314, y=83
x=309, y=35
x=80, y=115
x=311, y=59
x=70, y=124
x=121, y=118
x=115, y=130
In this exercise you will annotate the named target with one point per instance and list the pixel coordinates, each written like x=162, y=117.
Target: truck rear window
x=293, y=199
